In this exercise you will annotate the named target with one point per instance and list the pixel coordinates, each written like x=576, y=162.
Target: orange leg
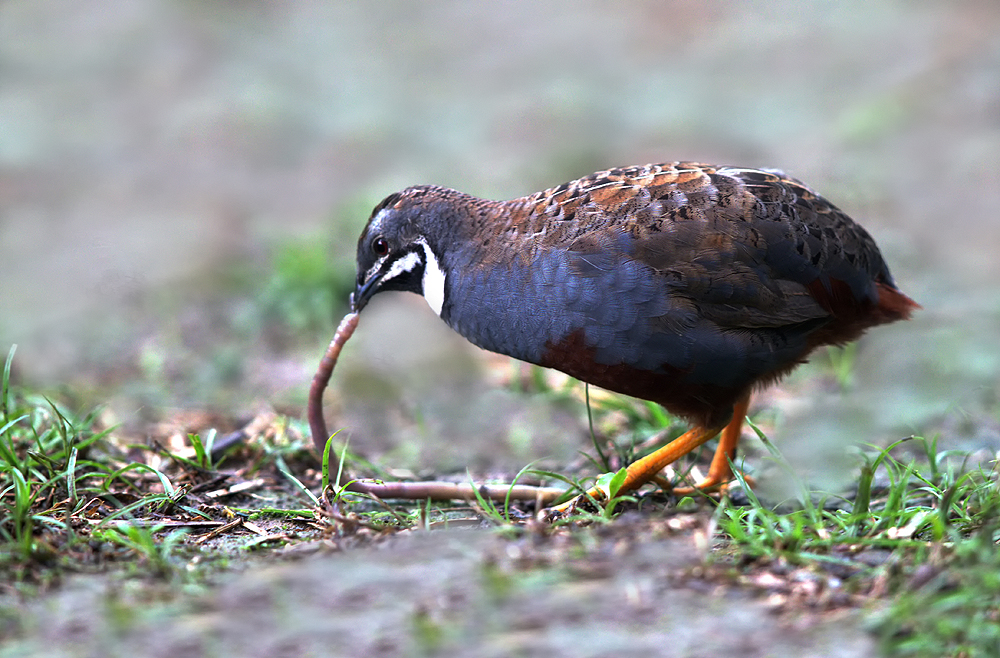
x=646, y=469
x=643, y=470
x=719, y=471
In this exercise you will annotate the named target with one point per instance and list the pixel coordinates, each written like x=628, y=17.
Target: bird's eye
x=380, y=246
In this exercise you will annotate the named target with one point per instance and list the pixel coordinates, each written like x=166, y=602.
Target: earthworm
x=407, y=490
x=317, y=425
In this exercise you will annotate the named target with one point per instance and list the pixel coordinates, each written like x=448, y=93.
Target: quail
x=686, y=284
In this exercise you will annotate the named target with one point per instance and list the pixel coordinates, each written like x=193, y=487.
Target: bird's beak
x=363, y=293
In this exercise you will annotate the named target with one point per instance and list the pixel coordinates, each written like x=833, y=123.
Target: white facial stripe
x=434, y=277
x=405, y=264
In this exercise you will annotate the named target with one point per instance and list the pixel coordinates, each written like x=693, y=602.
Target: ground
x=177, y=550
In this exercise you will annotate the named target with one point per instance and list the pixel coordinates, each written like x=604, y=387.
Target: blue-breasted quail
x=685, y=284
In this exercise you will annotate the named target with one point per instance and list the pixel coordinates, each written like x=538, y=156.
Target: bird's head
x=399, y=248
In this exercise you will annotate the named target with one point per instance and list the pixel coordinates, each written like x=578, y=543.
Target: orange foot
x=719, y=472
x=647, y=469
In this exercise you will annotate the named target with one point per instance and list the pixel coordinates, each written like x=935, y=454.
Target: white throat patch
x=434, y=278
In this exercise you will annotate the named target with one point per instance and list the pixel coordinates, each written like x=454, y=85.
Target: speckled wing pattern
x=712, y=219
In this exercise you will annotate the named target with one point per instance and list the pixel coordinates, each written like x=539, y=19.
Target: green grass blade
x=604, y=463
x=209, y=444
x=128, y=509
x=7, y=453
x=486, y=506
x=201, y=457
x=71, y=477
x=326, y=462
x=5, y=384
x=168, y=488
x=279, y=461
x=93, y=438
x=862, y=499
x=506, y=501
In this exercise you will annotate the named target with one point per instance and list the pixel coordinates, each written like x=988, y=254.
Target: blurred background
x=182, y=184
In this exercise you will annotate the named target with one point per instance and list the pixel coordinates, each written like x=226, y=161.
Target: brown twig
x=239, y=487
x=232, y=525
